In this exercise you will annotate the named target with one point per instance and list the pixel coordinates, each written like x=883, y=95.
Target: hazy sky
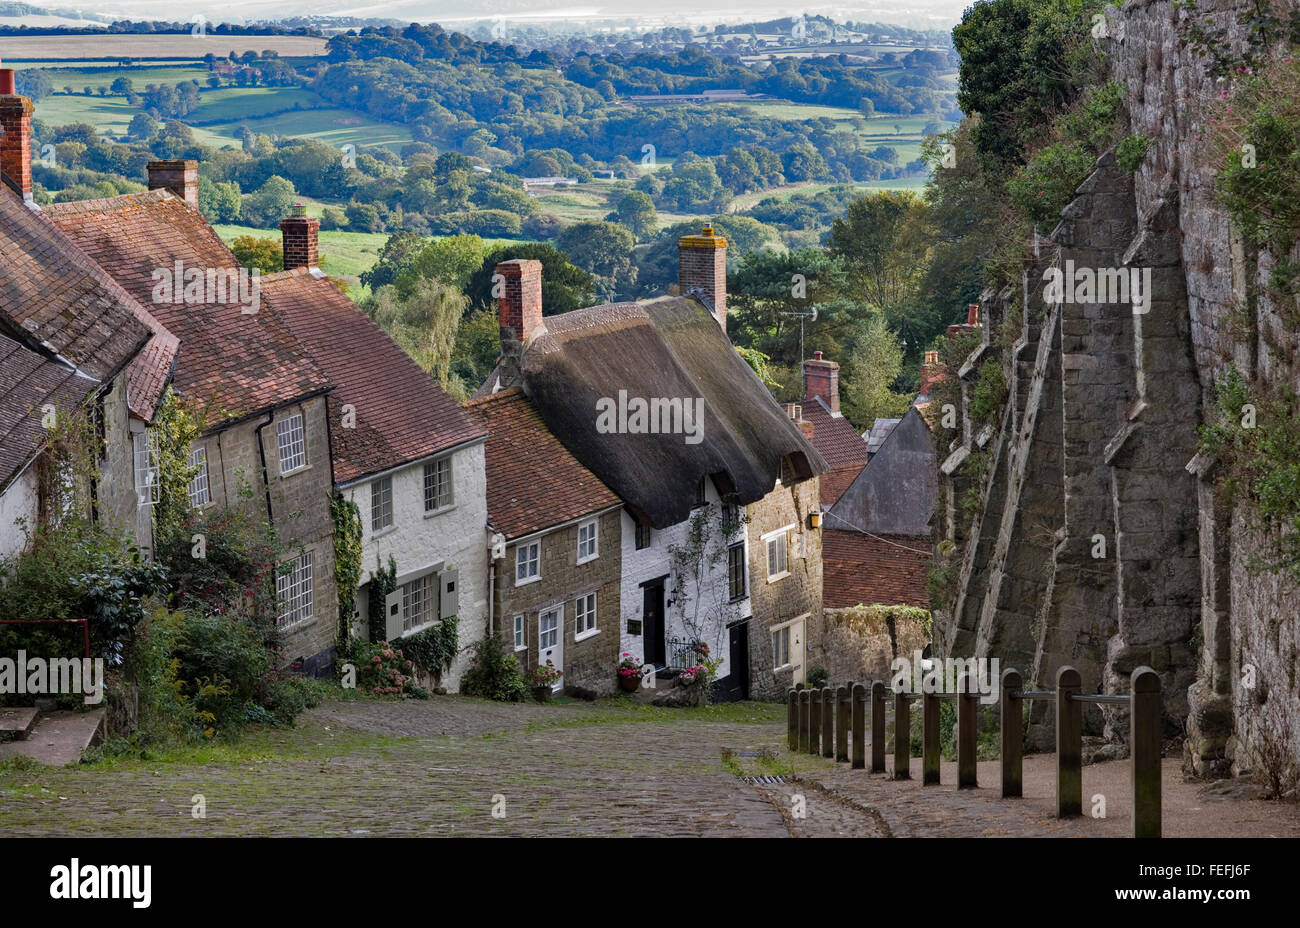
x=918, y=13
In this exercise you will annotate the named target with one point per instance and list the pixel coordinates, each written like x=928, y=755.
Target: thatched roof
x=665, y=348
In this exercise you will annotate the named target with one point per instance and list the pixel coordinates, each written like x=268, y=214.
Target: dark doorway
x=652, y=611
x=737, y=682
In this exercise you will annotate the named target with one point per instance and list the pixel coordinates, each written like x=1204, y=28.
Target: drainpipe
x=266, y=478
x=492, y=593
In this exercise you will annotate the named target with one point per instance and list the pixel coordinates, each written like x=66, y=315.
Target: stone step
x=58, y=738
x=18, y=721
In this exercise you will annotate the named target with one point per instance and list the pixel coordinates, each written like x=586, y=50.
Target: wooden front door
x=652, y=611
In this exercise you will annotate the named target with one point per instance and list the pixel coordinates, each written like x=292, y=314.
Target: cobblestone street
x=613, y=768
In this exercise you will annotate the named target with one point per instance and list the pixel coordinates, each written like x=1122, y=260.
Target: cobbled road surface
x=456, y=766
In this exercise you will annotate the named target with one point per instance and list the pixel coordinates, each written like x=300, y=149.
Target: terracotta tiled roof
x=27, y=382
x=52, y=294
x=533, y=482
x=239, y=362
x=402, y=414
x=869, y=569
x=839, y=443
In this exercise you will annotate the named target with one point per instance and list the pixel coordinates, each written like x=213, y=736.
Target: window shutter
x=393, y=615
x=449, y=580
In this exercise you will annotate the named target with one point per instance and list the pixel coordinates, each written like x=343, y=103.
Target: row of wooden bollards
x=819, y=721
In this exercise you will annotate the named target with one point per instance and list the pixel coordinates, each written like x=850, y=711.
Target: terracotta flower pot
x=629, y=684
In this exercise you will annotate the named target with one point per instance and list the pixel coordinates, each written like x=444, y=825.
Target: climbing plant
x=174, y=428
x=383, y=580
x=347, y=559
x=1255, y=439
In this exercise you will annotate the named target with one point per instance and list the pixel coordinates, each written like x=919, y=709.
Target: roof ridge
x=507, y=393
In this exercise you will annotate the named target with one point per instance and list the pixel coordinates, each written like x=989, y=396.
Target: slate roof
x=54, y=296
x=839, y=443
x=890, y=570
x=670, y=347
x=880, y=430
x=895, y=494
x=402, y=414
x=233, y=362
x=28, y=381
x=533, y=482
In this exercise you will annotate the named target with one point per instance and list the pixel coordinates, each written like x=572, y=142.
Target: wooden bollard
x=803, y=721
x=929, y=739
x=1069, y=744
x=814, y=721
x=968, y=703
x=828, y=722
x=859, y=727
x=792, y=719
x=877, y=727
x=1144, y=742
x=1012, y=735
x=842, y=723
x=902, y=738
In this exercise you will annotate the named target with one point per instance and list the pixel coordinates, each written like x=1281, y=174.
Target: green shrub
x=1132, y=151
x=493, y=673
x=433, y=649
x=817, y=677
x=1046, y=185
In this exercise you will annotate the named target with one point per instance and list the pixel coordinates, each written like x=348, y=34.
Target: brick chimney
x=16, y=141
x=822, y=378
x=932, y=372
x=298, y=233
x=519, y=311
x=180, y=177
x=702, y=265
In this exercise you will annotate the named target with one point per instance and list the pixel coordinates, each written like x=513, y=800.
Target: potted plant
x=542, y=679
x=688, y=676
x=630, y=671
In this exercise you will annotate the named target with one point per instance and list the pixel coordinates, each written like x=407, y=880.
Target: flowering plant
x=385, y=671
x=630, y=667
x=691, y=674
x=545, y=675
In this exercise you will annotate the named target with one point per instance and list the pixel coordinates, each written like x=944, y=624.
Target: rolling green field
x=107, y=114
x=333, y=125
x=346, y=254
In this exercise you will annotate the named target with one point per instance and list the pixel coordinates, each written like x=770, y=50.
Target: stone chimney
x=518, y=285
x=16, y=138
x=822, y=378
x=702, y=266
x=298, y=234
x=180, y=177
x=795, y=412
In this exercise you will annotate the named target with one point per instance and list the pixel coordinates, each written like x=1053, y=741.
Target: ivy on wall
x=1255, y=440
x=383, y=580
x=347, y=559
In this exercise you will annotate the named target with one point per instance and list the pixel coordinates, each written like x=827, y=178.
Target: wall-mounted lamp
x=814, y=519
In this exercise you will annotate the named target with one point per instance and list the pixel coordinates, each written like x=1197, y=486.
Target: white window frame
x=780, y=536
x=426, y=589
x=296, y=592
x=535, y=561
x=592, y=528
x=200, y=488
x=379, y=489
x=438, y=476
x=781, y=633
x=581, y=629
x=291, y=444
x=558, y=631
x=144, y=448
x=521, y=633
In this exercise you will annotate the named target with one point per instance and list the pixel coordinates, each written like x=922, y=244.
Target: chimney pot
x=181, y=177
x=298, y=233
x=702, y=265
x=817, y=355
x=8, y=86
x=972, y=314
